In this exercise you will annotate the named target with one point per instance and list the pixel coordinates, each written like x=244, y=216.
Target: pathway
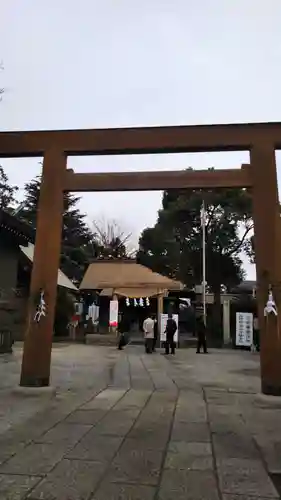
x=125, y=425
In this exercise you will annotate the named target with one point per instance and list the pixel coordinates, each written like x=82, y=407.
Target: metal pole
x=204, y=260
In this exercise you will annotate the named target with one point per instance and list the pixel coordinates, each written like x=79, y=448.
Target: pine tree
x=77, y=238
x=7, y=192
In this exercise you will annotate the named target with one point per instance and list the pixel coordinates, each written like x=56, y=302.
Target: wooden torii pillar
x=38, y=336
x=36, y=361
x=267, y=229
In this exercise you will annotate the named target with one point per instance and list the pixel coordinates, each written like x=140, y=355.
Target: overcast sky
x=110, y=63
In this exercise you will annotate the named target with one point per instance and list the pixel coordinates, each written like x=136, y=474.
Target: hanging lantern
x=135, y=303
x=147, y=301
x=141, y=302
x=127, y=302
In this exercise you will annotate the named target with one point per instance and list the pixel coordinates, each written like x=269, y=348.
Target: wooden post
x=159, y=313
x=114, y=329
x=35, y=371
x=226, y=322
x=268, y=261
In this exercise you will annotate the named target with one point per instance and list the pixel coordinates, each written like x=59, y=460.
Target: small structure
x=129, y=282
x=16, y=259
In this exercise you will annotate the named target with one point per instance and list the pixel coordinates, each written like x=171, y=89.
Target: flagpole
x=204, y=260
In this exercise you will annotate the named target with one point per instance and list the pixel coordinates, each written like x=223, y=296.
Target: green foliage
x=80, y=245
x=7, y=192
x=114, y=249
x=77, y=239
x=173, y=246
x=249, y=249
x=64, y=311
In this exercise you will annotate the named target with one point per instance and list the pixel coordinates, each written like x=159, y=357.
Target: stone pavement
x=125, y=425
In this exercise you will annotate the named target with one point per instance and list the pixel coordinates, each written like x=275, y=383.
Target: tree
x=174, y=245
x=111, y=240
x=76, y=235
x=7, y=192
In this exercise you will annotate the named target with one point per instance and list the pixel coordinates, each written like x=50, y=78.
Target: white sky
x=111, y=63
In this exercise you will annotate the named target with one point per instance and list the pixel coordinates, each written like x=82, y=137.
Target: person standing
x=148, y=329
x=123, y=330
x=201, y=335
x=171, y=328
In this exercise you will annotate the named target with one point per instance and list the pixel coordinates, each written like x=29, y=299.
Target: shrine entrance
x=260, y=177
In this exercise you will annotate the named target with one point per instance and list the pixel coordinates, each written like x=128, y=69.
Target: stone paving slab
x=34, y=460
x=241, y=476
x=70, y=480
x=105, y=400
x=111, y=491
x=188, y=485
x=112, y=426
x=153, y=439
x=136, y=466
x=16, y=487
x=183, y=431
x=125, y=425
x=189, y=456
x=242, y=497
x=235, y=446
x=133, y=399
x=63, y=434
x=97, y=448
x=86, y=417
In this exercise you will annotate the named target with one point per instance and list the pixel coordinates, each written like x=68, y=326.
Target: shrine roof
x=24, y=236
x=15, y=227
x=115, y=274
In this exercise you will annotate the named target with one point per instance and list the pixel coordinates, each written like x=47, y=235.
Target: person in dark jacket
x=123, y=330
x=201, y=335
x=171, y=328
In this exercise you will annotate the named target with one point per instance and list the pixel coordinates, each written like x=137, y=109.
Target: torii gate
x=261, y=139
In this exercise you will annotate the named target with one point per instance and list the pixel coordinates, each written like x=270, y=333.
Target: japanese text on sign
x=244, y=329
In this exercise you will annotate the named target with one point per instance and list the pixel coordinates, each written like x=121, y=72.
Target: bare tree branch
x=109, y=235
x=242, y=241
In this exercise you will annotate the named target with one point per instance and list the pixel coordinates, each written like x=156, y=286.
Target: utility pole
x=203, y=225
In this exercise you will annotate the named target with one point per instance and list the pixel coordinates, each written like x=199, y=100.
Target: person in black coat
x=123, y=330
x=171, y=328
x=201, y=335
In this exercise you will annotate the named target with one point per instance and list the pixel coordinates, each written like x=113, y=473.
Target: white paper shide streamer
x=138, y=302
x=41, y=308
x=270, y=307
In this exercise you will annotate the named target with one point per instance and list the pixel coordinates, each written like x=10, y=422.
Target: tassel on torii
x=41, y=308
x=270, y=307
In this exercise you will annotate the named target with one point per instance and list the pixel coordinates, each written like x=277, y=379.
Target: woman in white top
x=148, y=329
